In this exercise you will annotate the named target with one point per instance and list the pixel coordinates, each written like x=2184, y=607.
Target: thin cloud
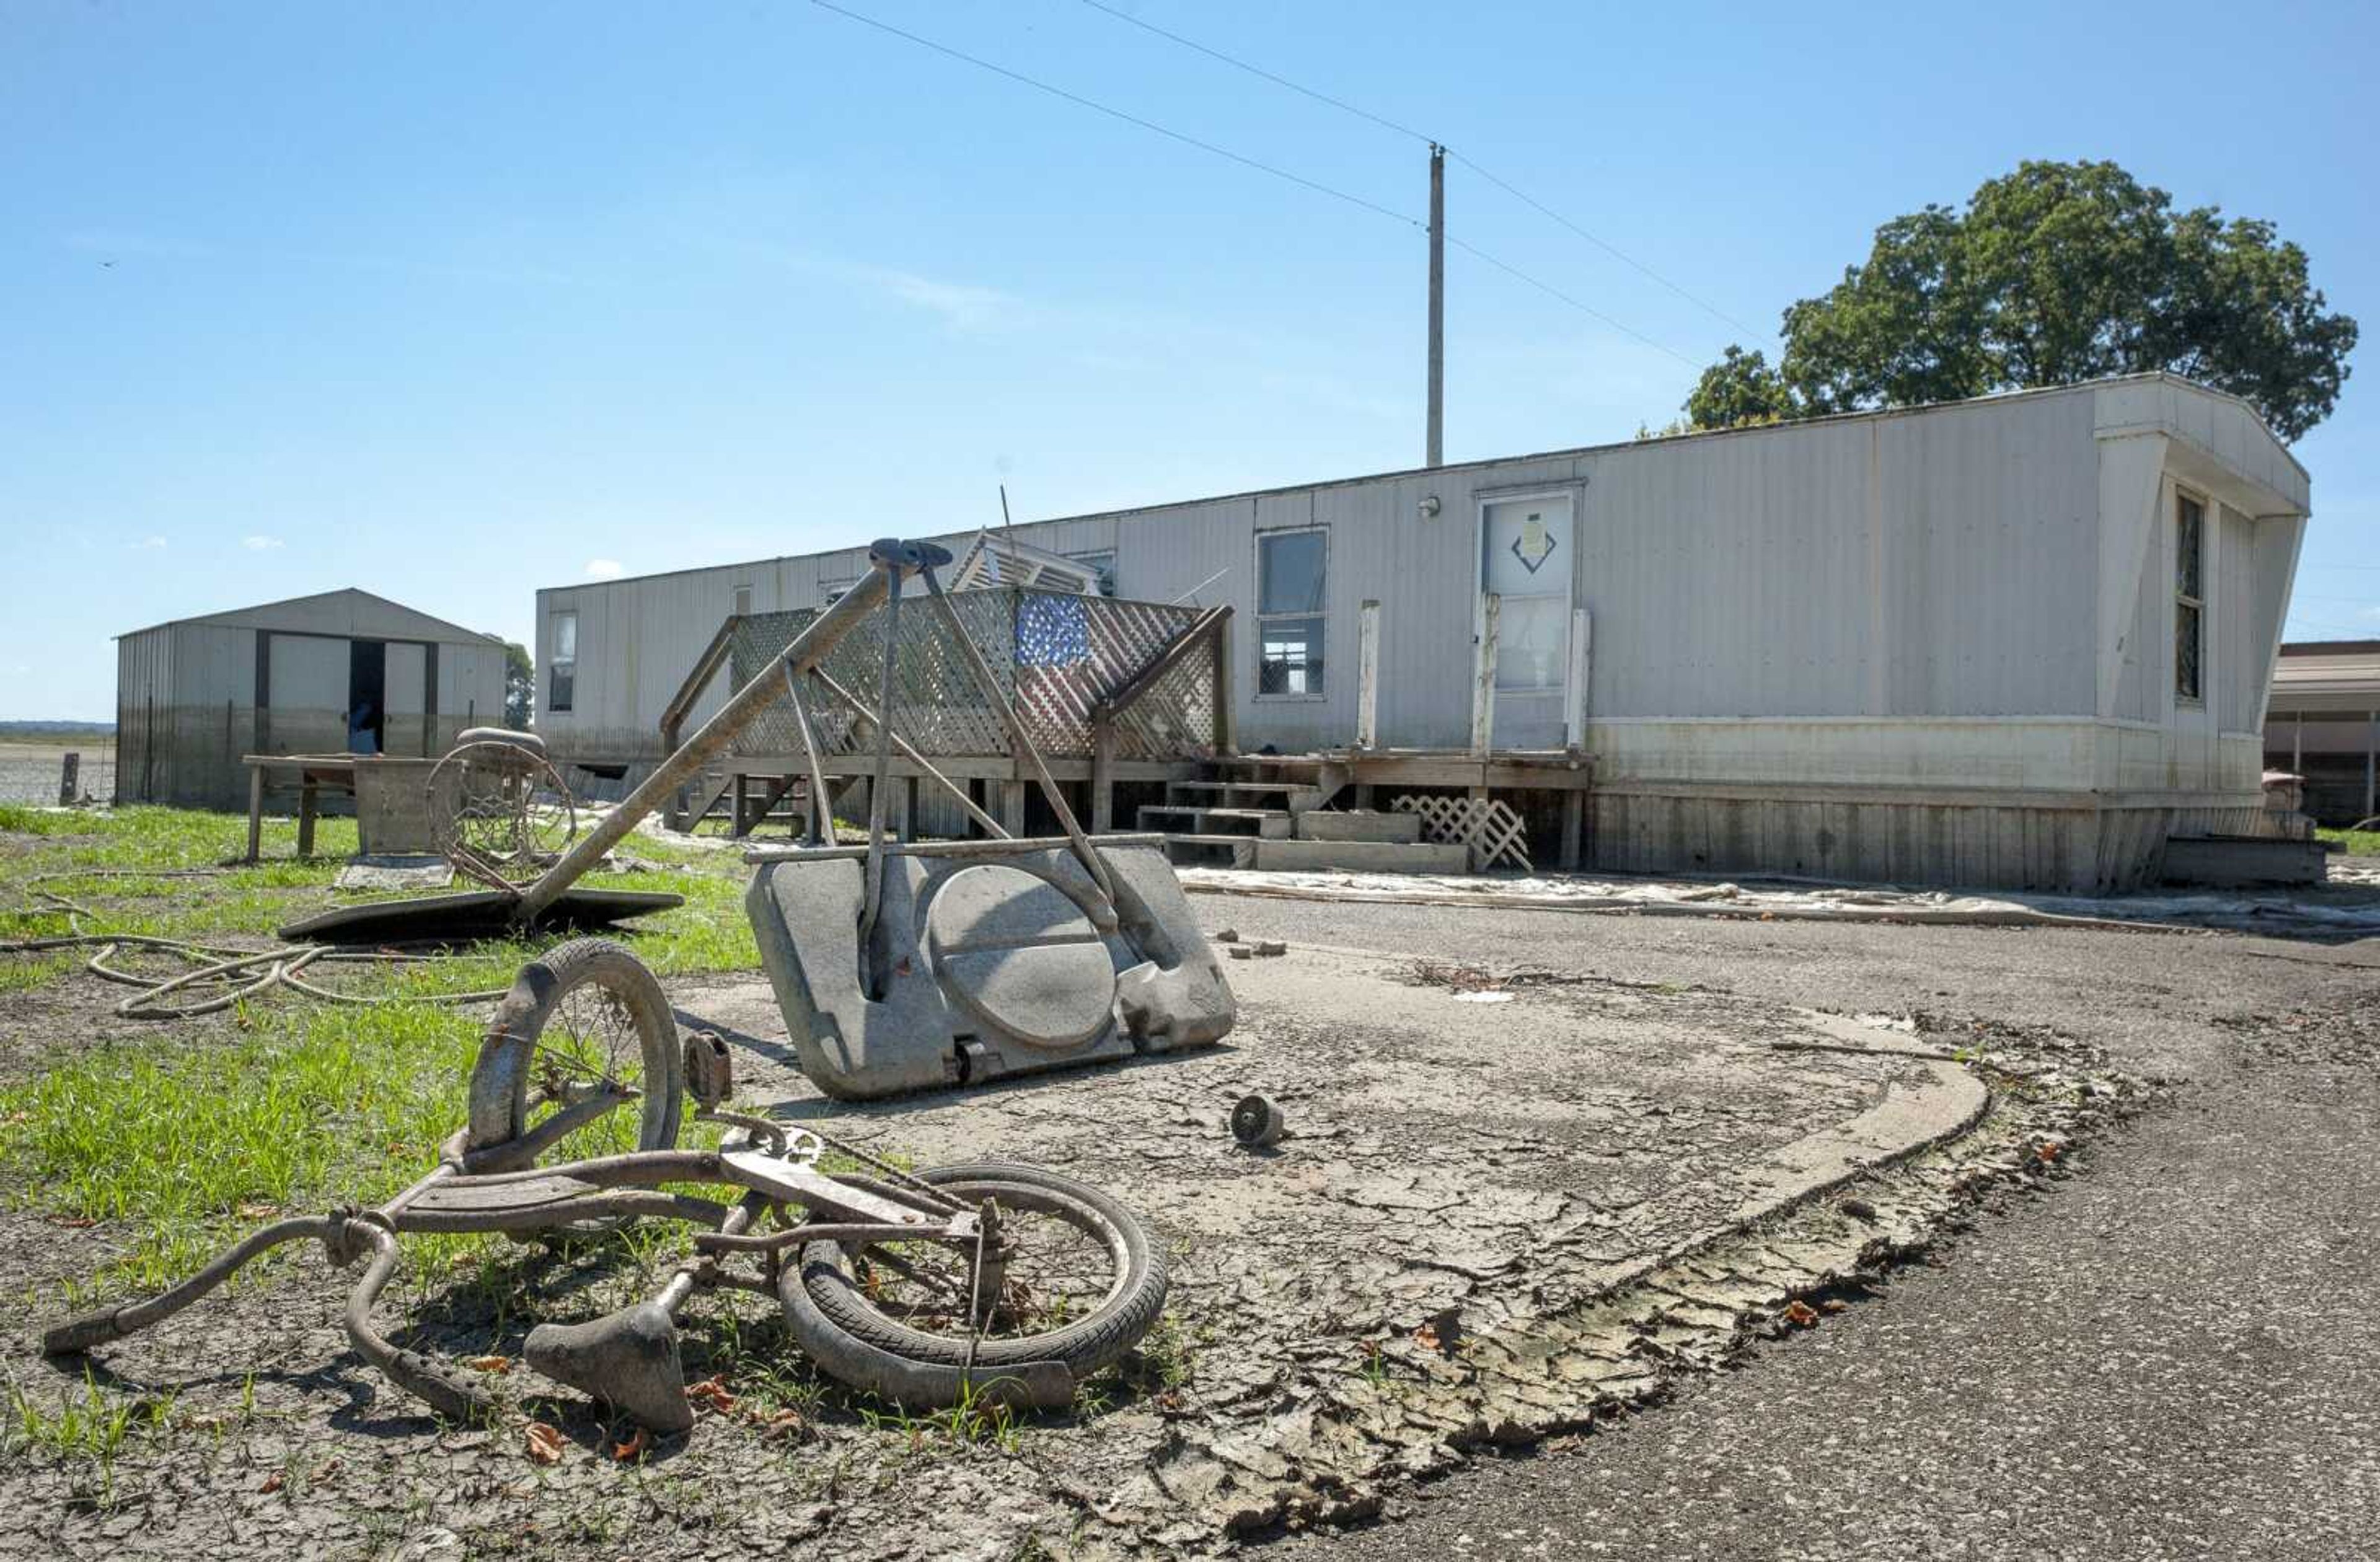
x=152, y=541
x=257, y=543
x=605, y=569
x=961, y=307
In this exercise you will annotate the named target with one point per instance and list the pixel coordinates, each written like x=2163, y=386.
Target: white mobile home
x=196, y=695
x=2017, y=641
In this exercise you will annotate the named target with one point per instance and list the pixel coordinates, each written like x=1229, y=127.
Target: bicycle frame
x=628, y=1358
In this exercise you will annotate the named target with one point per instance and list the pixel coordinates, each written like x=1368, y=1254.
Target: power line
x=1081, y=102
x=1505, y=185
x=1608, y=247
x=1277, y=172
x=1258, y=70
x=1552, y=291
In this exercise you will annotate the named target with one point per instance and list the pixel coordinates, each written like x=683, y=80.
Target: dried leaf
x=634, y=1448
x=495, y=1365
x=1427, y=1338
x=784, y=1423
x=73, y=1222
x=545, y=1442
x=710, y=1391
x=259, y=1212
x=1801, y=1314
x=1834, y=1304
x=271, y=1484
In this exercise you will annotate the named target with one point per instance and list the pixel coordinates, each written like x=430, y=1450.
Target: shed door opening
x=367, y=697
x=1527, y=560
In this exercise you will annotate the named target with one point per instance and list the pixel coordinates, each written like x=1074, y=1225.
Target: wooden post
x=308, y=801
x=1012, y=807
x=1574, y=819
x=67, y=770
x=2296, y=744
x=255, y=810
x=1103, y=777
x=2372, y=766
x=1226, y=739
x=1367, y=678
x=1582, y=641
x=905, y=807
x=740, y=801
x=1482, y=692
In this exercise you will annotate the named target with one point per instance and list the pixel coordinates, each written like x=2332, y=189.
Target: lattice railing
x=1054, y=654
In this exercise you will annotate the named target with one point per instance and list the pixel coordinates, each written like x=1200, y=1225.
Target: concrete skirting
x=2242, y=862
x=1902, y=837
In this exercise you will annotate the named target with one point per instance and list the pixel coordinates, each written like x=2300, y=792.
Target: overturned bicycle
x=983, y=1282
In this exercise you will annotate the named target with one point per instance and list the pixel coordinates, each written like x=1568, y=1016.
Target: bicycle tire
x=501, y=1076
x=822, y=1301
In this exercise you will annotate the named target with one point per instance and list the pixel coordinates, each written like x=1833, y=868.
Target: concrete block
x=1358, y=824
x=2242, y=862
x=1363, y=857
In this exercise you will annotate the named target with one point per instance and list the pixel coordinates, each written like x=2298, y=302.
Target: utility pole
x=1436, y=439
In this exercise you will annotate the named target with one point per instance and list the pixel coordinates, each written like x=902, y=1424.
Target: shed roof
x=348, y=611
x=2327, y=674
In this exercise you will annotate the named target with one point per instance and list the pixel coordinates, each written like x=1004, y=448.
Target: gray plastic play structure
x=906, y=965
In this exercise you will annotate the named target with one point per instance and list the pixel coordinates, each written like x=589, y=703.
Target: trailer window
x=2188, y=598
x=1291, y=570
x=562, y=670
x=1102, y=561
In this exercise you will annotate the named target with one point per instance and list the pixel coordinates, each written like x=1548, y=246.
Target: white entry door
x=1527, y=561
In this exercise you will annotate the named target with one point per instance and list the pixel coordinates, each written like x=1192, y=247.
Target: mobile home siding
x=1953, y=601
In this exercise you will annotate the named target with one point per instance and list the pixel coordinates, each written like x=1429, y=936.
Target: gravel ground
x=2165, y=1356
x=2173, y=1355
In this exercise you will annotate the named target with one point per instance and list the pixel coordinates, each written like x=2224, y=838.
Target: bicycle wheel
x=586, y=1030
x=1078, y=1280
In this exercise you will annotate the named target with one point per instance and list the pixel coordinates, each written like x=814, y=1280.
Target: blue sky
x=452, y=302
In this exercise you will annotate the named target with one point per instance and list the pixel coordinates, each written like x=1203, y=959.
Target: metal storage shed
x=195, y=695
x=2324, y=724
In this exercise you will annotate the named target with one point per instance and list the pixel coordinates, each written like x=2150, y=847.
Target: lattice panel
x=1493, y=832
x=1054, y=654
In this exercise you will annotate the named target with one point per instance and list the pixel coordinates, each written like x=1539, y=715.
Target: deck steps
x=1265, y=812
x=1197, y=818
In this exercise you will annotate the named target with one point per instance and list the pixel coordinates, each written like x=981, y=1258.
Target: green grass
x=89, y=1425
x=188, y=1136
x=301, y=1110
x=81, y=855
x=2354, y=843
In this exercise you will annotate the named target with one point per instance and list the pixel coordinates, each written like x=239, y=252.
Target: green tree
x=520, y=686
x=2055, y=272
x=1740, y=388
